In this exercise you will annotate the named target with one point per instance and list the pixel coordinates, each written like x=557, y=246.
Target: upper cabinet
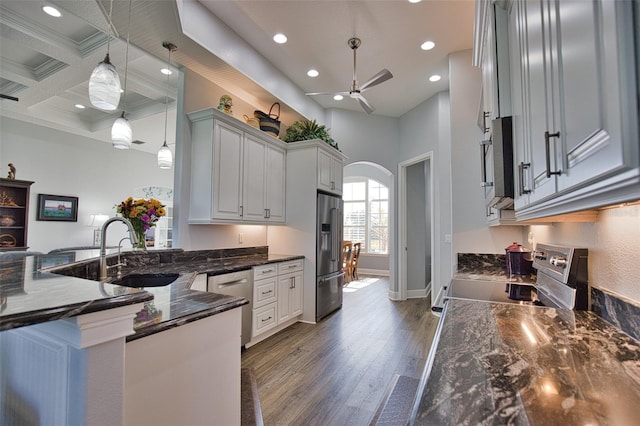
x=575, y=118
x=491, y=54
x=237, y=172
x=330, y=171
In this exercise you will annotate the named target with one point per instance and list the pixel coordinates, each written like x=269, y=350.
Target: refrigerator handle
x=334, y=233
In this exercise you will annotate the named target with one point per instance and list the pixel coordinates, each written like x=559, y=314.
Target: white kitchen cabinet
x=491, y=44
x=575, y=116
x=277, y=297
x=330, y=171
x=237, y=172
x=290, y=278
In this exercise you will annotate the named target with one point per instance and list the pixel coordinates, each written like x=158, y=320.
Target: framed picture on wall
x=59, y=208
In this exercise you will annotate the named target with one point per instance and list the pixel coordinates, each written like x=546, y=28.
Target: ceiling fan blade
x=380, y=77
x=366, y=106
x=327, y=93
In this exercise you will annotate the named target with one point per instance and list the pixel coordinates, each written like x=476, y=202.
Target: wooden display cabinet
x=14, y=214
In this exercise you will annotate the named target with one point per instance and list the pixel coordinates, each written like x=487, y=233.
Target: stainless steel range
x=561, y=282
x=562, y=279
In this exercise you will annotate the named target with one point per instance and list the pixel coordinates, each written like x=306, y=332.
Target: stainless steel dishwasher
x=236, y=284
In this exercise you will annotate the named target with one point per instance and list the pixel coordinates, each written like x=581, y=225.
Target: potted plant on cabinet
x=302, y=130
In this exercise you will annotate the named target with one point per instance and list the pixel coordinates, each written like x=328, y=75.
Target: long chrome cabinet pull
x=521, y=189
x=485, y=115
x=548, y=136
x=483, y=163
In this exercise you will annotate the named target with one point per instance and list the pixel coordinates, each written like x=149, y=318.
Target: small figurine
x=225, y=104
x=12, y=172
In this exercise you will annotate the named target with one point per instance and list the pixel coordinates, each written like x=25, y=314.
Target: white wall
x=199, y=93
x=470, y=231
x=425, y=129
x=62, y=163
x=613, y=243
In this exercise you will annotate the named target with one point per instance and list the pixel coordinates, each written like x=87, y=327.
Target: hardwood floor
x=336, y=372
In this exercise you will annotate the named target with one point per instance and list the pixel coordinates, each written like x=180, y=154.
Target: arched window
x=366, y=214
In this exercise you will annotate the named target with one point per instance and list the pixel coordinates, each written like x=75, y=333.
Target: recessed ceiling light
x=51, y=11
x=427, y=45
x=435, y=77
x=79, y=106
x=415, y=1
x=280, y=38
x=166, y=71
x=338, y=97
x=313, y=73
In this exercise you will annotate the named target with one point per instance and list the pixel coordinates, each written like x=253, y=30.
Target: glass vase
x=141, y=244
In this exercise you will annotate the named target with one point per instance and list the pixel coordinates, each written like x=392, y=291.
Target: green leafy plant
x=304, y=129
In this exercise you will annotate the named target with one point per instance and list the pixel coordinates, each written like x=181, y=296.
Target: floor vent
x=395, y=408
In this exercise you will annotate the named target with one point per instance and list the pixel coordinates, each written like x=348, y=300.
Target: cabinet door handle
x=264, y=293
x=485, y=115
x=333, y=185
x=268, y=213
x=548, y=136
x=266, y=319
x=292, y=281
x=241, y=211
x=521, y=189
x=483, y=163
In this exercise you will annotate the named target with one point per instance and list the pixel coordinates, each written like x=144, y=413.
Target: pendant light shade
x=165, y=158
x=121, y=133
x=104, y=86
x=104, y=83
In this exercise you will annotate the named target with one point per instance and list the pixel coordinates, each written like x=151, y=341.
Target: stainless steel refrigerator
x=329, y=274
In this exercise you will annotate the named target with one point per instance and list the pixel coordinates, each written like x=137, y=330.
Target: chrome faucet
x=103, y=244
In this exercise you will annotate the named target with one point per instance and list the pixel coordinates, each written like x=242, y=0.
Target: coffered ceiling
x=46, y=62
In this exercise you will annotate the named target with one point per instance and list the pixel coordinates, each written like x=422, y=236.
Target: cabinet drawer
x=264, y=318
x=264, y=292
x=265, y=271
x=292, y=266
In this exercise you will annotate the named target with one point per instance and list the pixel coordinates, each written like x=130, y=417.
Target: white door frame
x=402, y=221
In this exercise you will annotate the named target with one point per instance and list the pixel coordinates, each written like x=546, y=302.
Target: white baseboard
x=376, y=272
x=394, y=295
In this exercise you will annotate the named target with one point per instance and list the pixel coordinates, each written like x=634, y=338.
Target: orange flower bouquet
x=143, y=214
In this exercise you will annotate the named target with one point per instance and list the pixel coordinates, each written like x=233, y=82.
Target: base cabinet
x=277, y=297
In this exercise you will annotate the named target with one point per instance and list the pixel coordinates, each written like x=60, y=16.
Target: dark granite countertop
x=31, y=296
x=510, y=364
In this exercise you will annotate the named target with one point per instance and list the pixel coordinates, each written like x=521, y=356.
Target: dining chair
x=355, y=255
x=347, y=253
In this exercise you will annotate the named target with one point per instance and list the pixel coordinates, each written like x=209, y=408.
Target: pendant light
x=104, y=84
x=121, y=132
x=165, y=158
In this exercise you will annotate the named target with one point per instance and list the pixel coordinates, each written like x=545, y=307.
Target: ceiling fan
x=355, y=92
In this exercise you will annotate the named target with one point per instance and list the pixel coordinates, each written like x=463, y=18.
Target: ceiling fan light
x=121, y=133
x=104, y=86
x=313, y=73
x=165, y=158
x=435, y=78
x=338, y=97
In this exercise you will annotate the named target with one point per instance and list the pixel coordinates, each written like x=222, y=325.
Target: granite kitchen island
x=75, y=350
x=498, y=363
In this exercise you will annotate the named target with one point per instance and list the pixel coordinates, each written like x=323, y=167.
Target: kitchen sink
x=146, y=280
